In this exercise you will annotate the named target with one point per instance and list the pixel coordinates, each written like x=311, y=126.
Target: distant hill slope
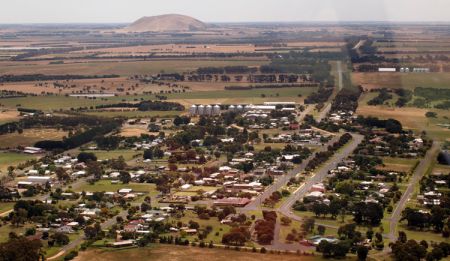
x=166, y=23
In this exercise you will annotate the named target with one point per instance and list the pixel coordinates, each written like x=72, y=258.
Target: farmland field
x=8, y=116
x=29, y=137
x=124, y=68
x=180, y=253
x=401, y=80
x=63, y=102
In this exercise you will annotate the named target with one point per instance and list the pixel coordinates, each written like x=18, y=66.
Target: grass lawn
x=215, y=235
x=13, y=159
x=418, y=235
x=6, y=229
x=398, y=164
x=51, y=251
x=5, y=206
x=105, y=185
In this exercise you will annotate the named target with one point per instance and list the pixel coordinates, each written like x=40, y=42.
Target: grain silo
x=201, y=110
x=239, y=108
x=232, y=108
x=208, y=110
x=193, y=110
x=216, y=110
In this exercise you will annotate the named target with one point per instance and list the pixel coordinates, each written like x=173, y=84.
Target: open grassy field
x=120, y=67
x=398, y=164
x=105, y=185
x=182, y=253
x=412, y=118
x=6, y=206
x=401, y=80
x=29, y=137
x=13, y=159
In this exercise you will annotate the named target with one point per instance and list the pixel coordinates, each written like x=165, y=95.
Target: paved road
x=416, y=177
x=303, y=114
x=283, y=180
x=320, y=175
x=75, y=243
x=327, y=108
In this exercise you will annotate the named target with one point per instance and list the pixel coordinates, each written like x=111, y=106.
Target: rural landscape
x=170, y=138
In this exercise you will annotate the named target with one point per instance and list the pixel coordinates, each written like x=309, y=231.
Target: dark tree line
x=43, y=77
x=79, y=139
x=146, y=106
x=321, y=157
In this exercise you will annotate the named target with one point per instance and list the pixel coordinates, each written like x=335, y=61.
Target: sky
x=126, y=11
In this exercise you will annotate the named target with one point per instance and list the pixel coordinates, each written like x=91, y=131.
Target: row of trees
x=321, y=157
x=146, y=106
x=265, y=228
x=80, y=138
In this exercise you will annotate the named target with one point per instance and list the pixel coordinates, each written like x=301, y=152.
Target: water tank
x=232, y=108
x=208, y=110
x=201, y=110
x=216, y=110
x=193, y=110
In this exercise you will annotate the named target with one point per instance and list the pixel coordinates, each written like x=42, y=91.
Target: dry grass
x=29, y=137
x=401, y=80
x=133, y=132
x=411, y=118
x=398, y=164
x=8, y=116
x=174, y=49
x=182, y=253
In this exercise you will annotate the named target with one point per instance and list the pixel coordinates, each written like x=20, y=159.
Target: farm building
x=235, y=202
x=387, y=70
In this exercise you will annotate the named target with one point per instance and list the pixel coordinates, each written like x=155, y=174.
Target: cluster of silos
x=239, y=108
x=202, y=110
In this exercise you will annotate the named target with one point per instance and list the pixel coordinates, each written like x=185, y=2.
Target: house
x=319, y=187
x=235, y=202
x=38, y=180
x=125, y=191
x=186, y=186
x=65, y=229
x=124, y=243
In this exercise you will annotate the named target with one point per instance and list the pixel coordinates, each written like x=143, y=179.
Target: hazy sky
x=99, y=11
